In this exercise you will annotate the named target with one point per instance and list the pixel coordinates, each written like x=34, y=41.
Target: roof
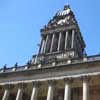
x=63, y=17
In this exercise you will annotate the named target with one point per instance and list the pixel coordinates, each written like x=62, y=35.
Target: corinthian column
x=20, y=92
x=73, y=35
x=85, y=88
x=34, y=91
x=46, y=43
x=52, y=43
x=50, y=90
x=59, y=41
x=40, y=47
x=67, y=94
x=6, y=93
x=66, y=38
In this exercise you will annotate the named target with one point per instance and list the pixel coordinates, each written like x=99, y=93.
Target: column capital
x=36, y=84
x=7, y=86
x=51, y=82
x=21, y=85
x=86, y=78
x=68, y=80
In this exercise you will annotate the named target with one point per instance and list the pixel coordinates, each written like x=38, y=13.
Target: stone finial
x=5, y=66
x=15, y=67
x=66, y=7
x=29, y=62
x=16, y=64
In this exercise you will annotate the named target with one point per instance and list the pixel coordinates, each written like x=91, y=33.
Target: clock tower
x=61, y=37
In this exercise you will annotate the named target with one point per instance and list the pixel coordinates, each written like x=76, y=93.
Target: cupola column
x=43, y=45
x=40, y=48
x=66, y=39
x=73, y=35
x=46, y=44
x=59, y=41
x=52, y=43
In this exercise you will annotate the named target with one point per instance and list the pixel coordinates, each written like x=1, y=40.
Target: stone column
x=66, y=39
x=46, y=43
x=6, y=93
x=34, y=91
x=73, y=33
x=85, y=88
x=67, y=94
x=40, y=48
x=50, y=90
x=59, y=41
x=20, y=91
x=43, y=45
x=52, y=43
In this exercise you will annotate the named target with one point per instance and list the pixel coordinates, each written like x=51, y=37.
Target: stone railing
x=51, y=60
x=53, y=57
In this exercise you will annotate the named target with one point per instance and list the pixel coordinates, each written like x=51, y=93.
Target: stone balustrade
x=59, y=59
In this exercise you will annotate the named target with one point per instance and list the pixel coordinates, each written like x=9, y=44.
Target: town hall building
x=60, y=71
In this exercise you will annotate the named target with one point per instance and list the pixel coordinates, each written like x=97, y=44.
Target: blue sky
x=21, y=20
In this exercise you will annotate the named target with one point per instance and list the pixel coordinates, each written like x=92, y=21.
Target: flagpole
x=68, y=2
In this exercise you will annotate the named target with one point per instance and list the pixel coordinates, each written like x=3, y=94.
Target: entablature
x=58, y=71
x=60, y=28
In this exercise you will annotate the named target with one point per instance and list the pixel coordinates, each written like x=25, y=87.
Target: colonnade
x=50, y=94
x=54, y=42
